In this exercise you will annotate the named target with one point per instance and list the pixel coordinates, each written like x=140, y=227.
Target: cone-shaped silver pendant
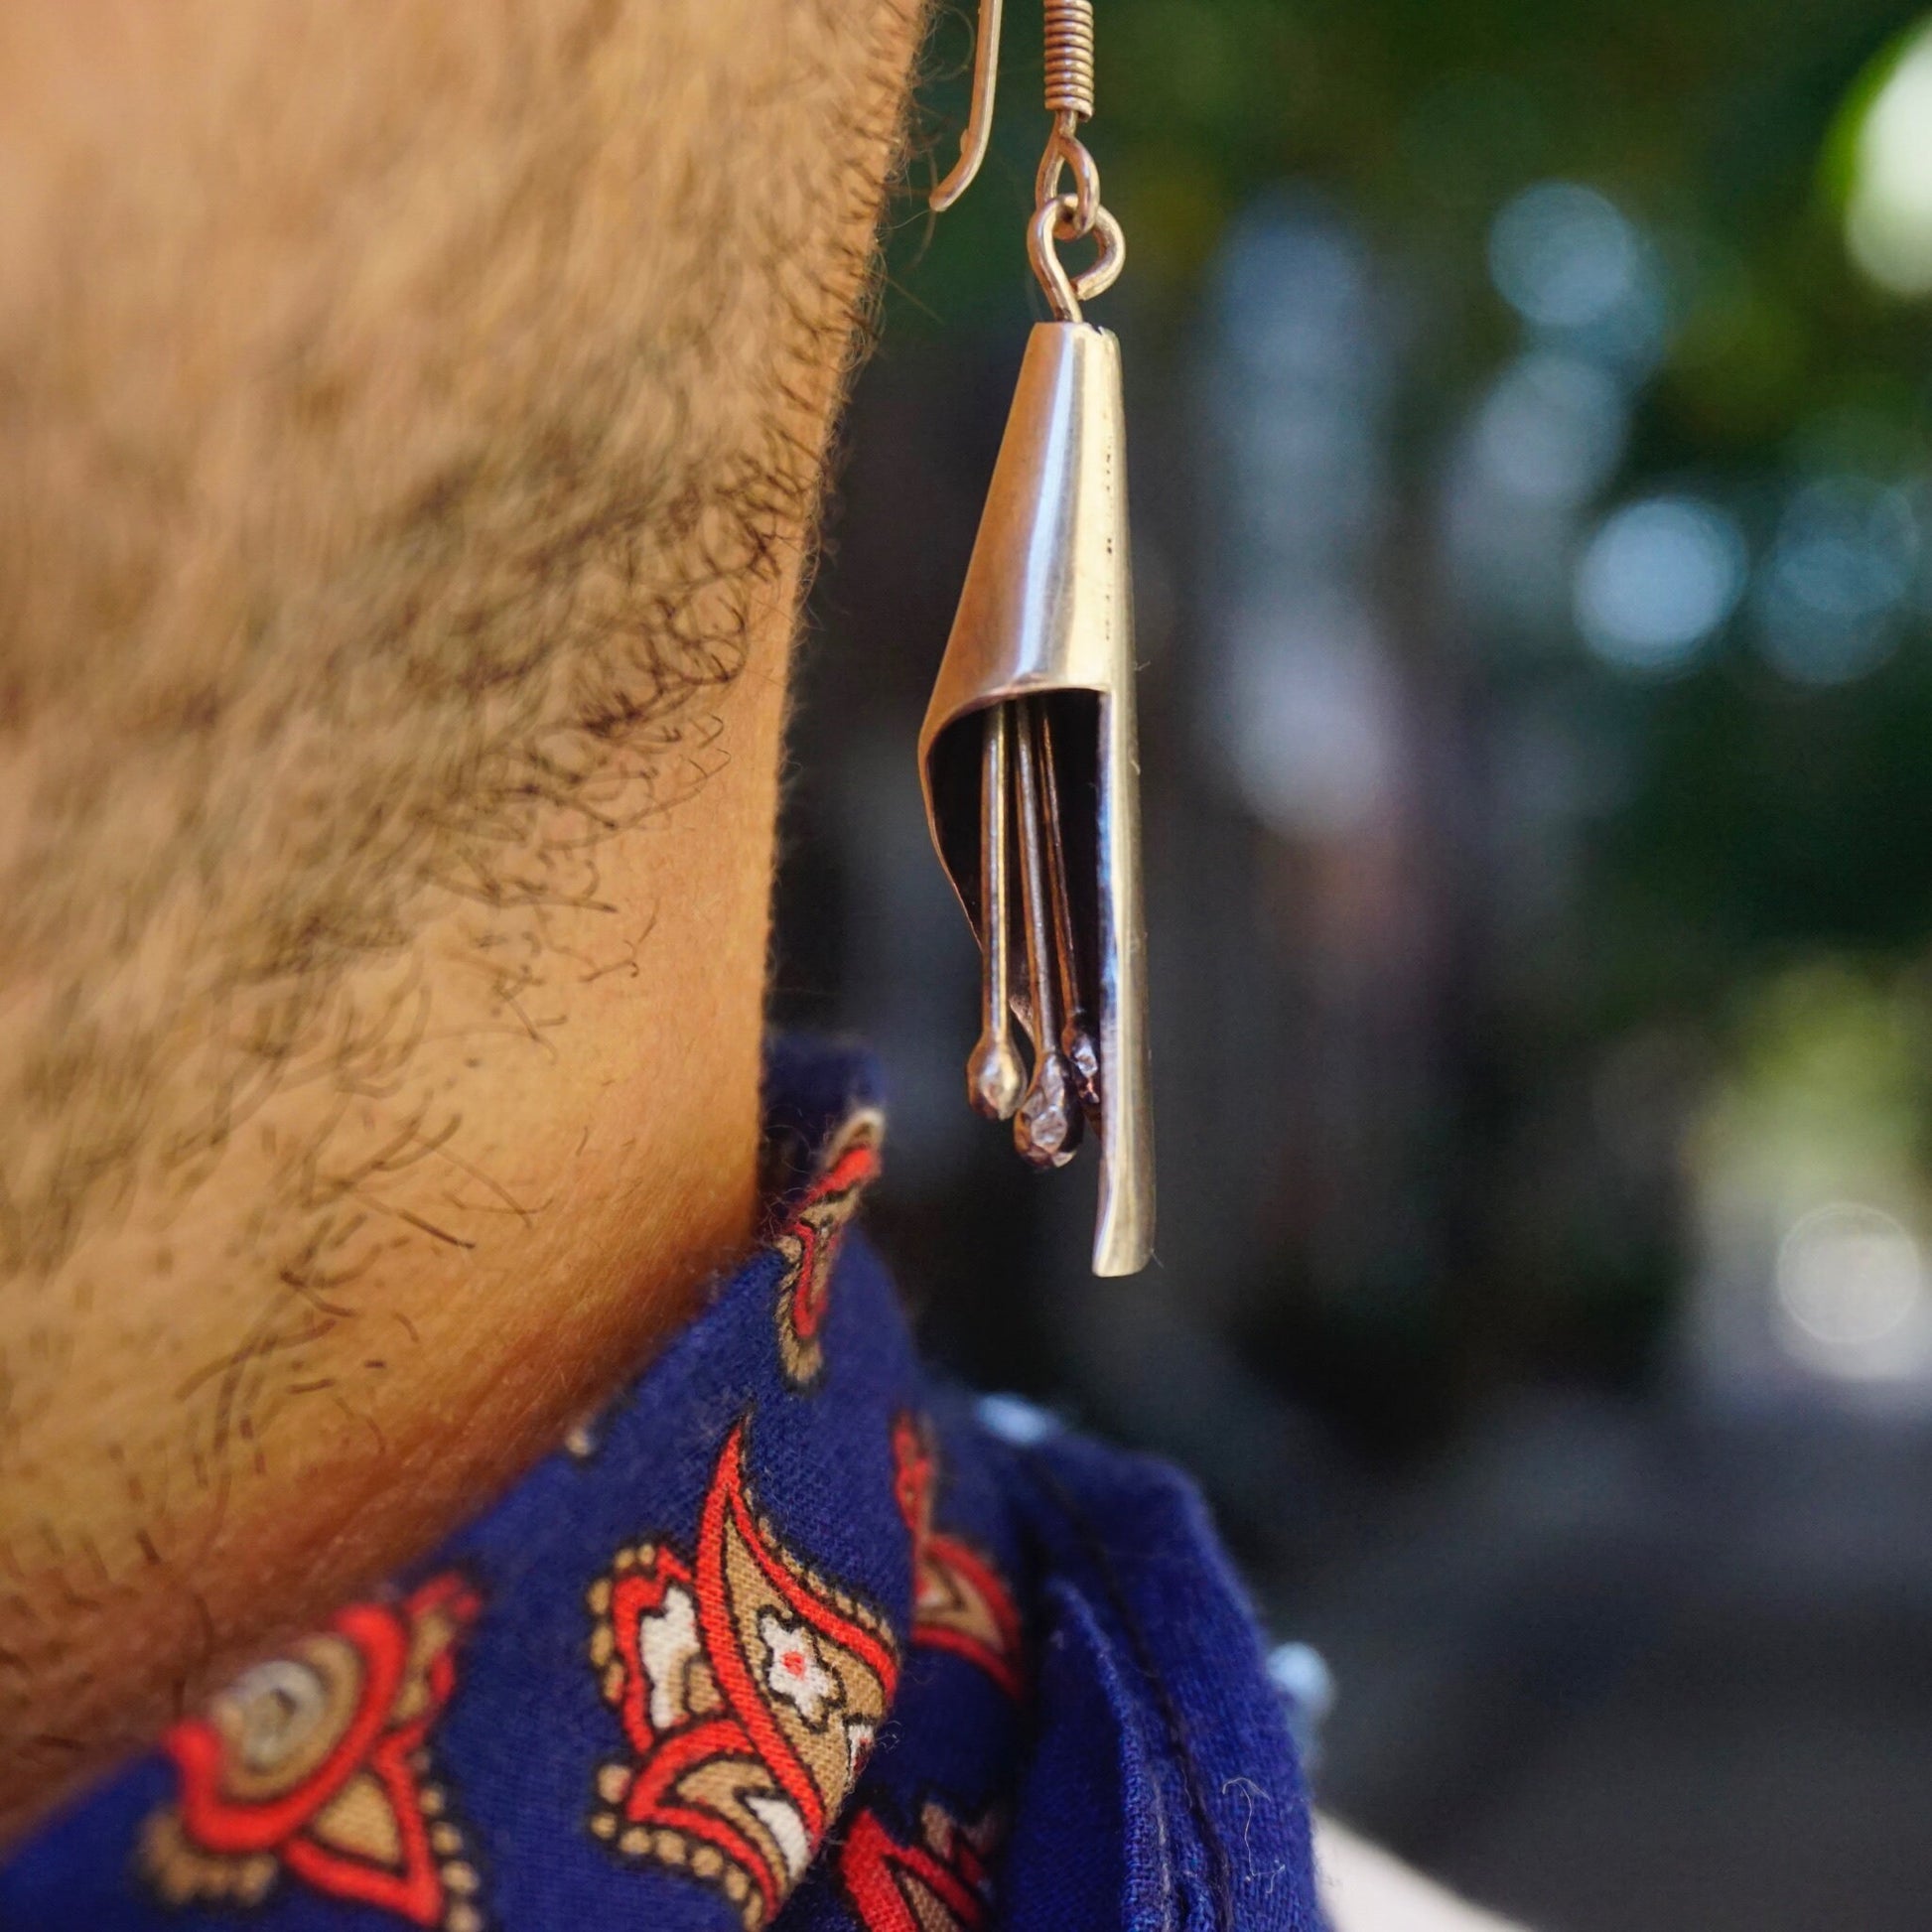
x=1032, y=781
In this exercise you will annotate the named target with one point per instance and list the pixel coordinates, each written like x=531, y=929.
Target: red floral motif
x=935, y=1883
x=810, y=1244
x=750, y=1689
x=959, y=1600
x=317, y=1764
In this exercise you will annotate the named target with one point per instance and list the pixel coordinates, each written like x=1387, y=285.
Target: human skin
x=414, y=418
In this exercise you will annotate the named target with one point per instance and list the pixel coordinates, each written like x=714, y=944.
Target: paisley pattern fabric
x=808, y=1244
x=792, y=1634
x=315, y=1768
x=750, y=1688
x=940, y=1881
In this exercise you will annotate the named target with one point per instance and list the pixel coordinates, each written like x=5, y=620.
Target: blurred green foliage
x=1754, y=823
x=1761, y=816
x=1711, y=120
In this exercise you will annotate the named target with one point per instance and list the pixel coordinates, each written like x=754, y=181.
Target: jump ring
x=1063, y=290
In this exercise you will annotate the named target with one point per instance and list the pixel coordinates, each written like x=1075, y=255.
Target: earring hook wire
x=977, y=131
x=1058, y=216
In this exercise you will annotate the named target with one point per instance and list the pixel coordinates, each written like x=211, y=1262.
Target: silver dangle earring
x=1027, y=753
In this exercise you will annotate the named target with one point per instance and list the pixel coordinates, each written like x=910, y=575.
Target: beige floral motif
x=793, y=1671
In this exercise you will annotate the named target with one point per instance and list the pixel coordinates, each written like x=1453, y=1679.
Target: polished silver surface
x=995, y=1078
x=1047, y=1129
x=1076, y=1023
x=1047, y=613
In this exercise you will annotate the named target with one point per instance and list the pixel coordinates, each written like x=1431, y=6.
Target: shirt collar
x=786, y=1630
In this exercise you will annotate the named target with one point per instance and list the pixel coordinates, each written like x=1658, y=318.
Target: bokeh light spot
x=1888, y=208
x=1851, y=1290
x=1657, y=580
x=1563, y=256
x=1551, y=429
x=1829, y=596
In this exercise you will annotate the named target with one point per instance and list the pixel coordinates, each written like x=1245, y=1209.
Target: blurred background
x=1531, y=431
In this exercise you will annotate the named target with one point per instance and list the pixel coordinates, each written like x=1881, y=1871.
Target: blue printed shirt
x=792, y=1635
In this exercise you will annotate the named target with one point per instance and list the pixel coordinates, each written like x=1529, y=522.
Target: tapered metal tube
x=1047, y=614
x=995, y=1078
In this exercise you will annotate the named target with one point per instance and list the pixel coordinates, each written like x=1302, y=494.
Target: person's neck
x=467, y=470
x=539, y=1197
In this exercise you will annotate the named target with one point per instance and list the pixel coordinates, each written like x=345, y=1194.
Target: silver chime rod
x=993, y=1076
x=1047, y=1129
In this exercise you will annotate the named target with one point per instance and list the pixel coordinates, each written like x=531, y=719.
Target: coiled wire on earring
x=1069, y=57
